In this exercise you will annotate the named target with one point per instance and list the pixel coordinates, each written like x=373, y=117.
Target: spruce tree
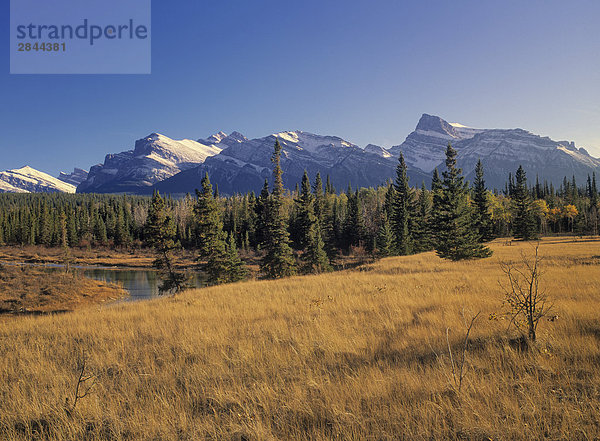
x=483, y=217
x=315, y=258
x=236, y=270
x=594, y=192
x=456, y=237
x=305, y=213
x=278, y=260
x=352, y=231
x=524, y=223
x=423, y=240
x=329, y=187
x=385, y=238
x=403, y=210
x=319, y=199
x=388, y=207
x=210, y=235
x=261, y=211
x=160, y=235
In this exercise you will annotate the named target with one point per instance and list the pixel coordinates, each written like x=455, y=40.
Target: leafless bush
x=526, y=302
x=83, y=387
x=459, y=366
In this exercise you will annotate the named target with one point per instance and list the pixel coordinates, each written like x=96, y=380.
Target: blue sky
x=363, y=70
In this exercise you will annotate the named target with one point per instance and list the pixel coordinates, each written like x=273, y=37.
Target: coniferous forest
x=309, y=229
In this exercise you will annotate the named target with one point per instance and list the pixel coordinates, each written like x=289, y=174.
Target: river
x=142, y=284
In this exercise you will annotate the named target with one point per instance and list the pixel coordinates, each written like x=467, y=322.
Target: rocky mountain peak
x=432, y=123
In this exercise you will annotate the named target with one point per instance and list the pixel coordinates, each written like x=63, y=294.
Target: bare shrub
x=83, y=387
x=526, y=302
x=458, y=362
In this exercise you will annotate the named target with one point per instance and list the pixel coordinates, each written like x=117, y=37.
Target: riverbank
x=32, y=291
x=106, y=257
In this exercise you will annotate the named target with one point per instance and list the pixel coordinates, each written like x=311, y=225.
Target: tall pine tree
x=483, y=217
x=456, y=237
x=278, y=260
x=160, y=235
x=210, y=235
x=524, y=224
x=403, y=210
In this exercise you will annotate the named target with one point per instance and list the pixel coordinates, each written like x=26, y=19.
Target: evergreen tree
x=482, y=216
x=261, y=210
x=236, y=270
x=385, y=238
x=456, y=237
x=278, y=260
x=305, y=213
x=210, y=235
x=423, y=240
x=319, y=199
x=315, y=258
x=352, y=231
x=524, y=224
x=403, y=210
x=160, y=235
x=388, y=207
x=594, y=192
x=329, y=187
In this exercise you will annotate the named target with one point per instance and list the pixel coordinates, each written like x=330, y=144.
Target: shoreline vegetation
x=357, y=354
x=26, y=290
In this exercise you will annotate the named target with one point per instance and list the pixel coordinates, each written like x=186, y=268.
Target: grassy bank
x=77, y=256
x=358, y=354
x=29, y=290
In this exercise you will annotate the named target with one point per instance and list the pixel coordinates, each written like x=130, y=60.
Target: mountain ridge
x=238, y=164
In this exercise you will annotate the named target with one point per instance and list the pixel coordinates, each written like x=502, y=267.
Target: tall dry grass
x=348, y=355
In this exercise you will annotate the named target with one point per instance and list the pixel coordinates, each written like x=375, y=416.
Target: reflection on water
x=141, y=284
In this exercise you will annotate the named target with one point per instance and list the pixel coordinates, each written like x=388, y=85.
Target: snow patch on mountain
x=154, y=158
x=311, y=142
x=29, y=180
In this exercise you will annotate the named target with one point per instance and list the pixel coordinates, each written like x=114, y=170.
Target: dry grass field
x=352, y=355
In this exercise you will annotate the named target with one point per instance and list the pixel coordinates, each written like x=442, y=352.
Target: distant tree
x=524, y=224
x=160, y=235
x=278, y=260
x=403, y=210
x=261, y=210
x=456, y=237
x=353, y=224
x=329, y=189
x=483, y=216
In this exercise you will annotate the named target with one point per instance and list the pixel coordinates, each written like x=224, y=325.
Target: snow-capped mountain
x=30, y=180
x=238, y=164
x=245, y=165
x=75, y=178
x=500, y=150
x=425, y=147
x=154, y=158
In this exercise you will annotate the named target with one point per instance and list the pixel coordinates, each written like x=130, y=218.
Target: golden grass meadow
x=359, y=354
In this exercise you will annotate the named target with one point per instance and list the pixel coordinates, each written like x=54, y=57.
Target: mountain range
x=238, y=164
x=29, y=180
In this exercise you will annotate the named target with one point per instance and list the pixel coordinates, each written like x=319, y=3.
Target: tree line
x=308, y=229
